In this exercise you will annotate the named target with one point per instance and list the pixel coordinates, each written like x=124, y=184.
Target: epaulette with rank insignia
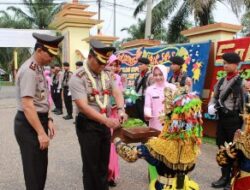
x=33, y=66
x=80, y=73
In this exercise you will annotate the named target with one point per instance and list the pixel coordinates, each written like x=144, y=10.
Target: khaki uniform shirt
x=31, y=82
x=81, y=88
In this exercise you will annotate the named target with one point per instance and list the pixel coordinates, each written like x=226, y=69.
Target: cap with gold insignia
x=48, y=43
x=101, y=51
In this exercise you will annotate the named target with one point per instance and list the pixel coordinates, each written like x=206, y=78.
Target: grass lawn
x=209, y=140
x=6, y=83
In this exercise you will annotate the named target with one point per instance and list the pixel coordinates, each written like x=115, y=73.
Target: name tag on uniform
x=155, y=97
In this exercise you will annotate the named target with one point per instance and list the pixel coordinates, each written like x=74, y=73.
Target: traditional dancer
x=174, y=152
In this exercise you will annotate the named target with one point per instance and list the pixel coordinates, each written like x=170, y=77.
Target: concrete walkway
x=64, y=171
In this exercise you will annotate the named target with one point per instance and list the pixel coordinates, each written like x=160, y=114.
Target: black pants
x=227, y=126
x=139, y=104
x=67, y=100
x=58, y=99
x=94, y=140
x=34, y=159
x=52, y=94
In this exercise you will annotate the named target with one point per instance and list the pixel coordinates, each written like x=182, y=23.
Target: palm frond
x=203, y=15
x=19, y=13
x=5, y=15
x=237, y=5
x=163, y=10
x=139, y=8
x=178, y=23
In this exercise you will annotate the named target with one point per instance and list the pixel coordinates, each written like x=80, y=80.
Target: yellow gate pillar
x=75, y=23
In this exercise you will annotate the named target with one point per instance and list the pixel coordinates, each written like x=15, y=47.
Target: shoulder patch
x=33, y=66
x=80, y=73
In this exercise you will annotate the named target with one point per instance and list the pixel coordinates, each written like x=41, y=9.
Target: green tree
x=6, y=54
x=40, y=12
x=245, y=21
x=201, y=9
x=137, y=31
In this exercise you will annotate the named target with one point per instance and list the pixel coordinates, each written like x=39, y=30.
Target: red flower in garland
x=103, y=111
x=95, y=92
x=106, y=92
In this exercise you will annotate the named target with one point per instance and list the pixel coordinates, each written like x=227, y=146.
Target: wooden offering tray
x=135, y=135
x=139, y=133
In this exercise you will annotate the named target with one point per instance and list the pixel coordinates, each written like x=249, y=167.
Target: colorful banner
x=196, y=59
x=240, y=46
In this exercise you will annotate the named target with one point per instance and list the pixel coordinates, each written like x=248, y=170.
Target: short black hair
x=57, y=65
x=178, y=60
x=79, y=63
x=144, y=60
x=66, y=64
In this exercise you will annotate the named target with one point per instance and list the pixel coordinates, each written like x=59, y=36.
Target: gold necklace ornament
x=96, y=93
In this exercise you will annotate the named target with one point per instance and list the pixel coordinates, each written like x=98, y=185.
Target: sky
x=124, y=14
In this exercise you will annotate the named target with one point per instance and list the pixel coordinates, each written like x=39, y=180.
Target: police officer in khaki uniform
x=33, y=126
x=228, y=102
x=66, y=93
x=91, y=87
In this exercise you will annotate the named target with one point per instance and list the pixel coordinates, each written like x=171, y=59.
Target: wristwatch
x=121, y=108
x=50, y=119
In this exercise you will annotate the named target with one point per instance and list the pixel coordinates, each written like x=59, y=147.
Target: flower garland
x=95, y=92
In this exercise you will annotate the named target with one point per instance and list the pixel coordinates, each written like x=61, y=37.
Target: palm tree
x=8, y=21
x=39, y=15
x=40, y=12
x=6, y=54
x=201, y=9
x=245, y=21
x=137, y=31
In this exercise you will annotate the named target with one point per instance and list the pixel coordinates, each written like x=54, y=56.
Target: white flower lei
x=97, y=97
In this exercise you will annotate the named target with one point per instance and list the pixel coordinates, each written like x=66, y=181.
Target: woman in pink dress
x=114, y=65
x=154, y=96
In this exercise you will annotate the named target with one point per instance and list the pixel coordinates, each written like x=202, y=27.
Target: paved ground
x=64, y=172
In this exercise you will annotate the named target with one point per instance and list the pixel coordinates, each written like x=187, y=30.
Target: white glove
x=211, y=109
x=69, y=93
x=58, y=90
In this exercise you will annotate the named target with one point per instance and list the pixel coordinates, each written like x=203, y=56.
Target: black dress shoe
x=59, y=113
x=54, y=110
x=228, y=186
x=222, y=182
x=67, y=117
x=112, y=183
